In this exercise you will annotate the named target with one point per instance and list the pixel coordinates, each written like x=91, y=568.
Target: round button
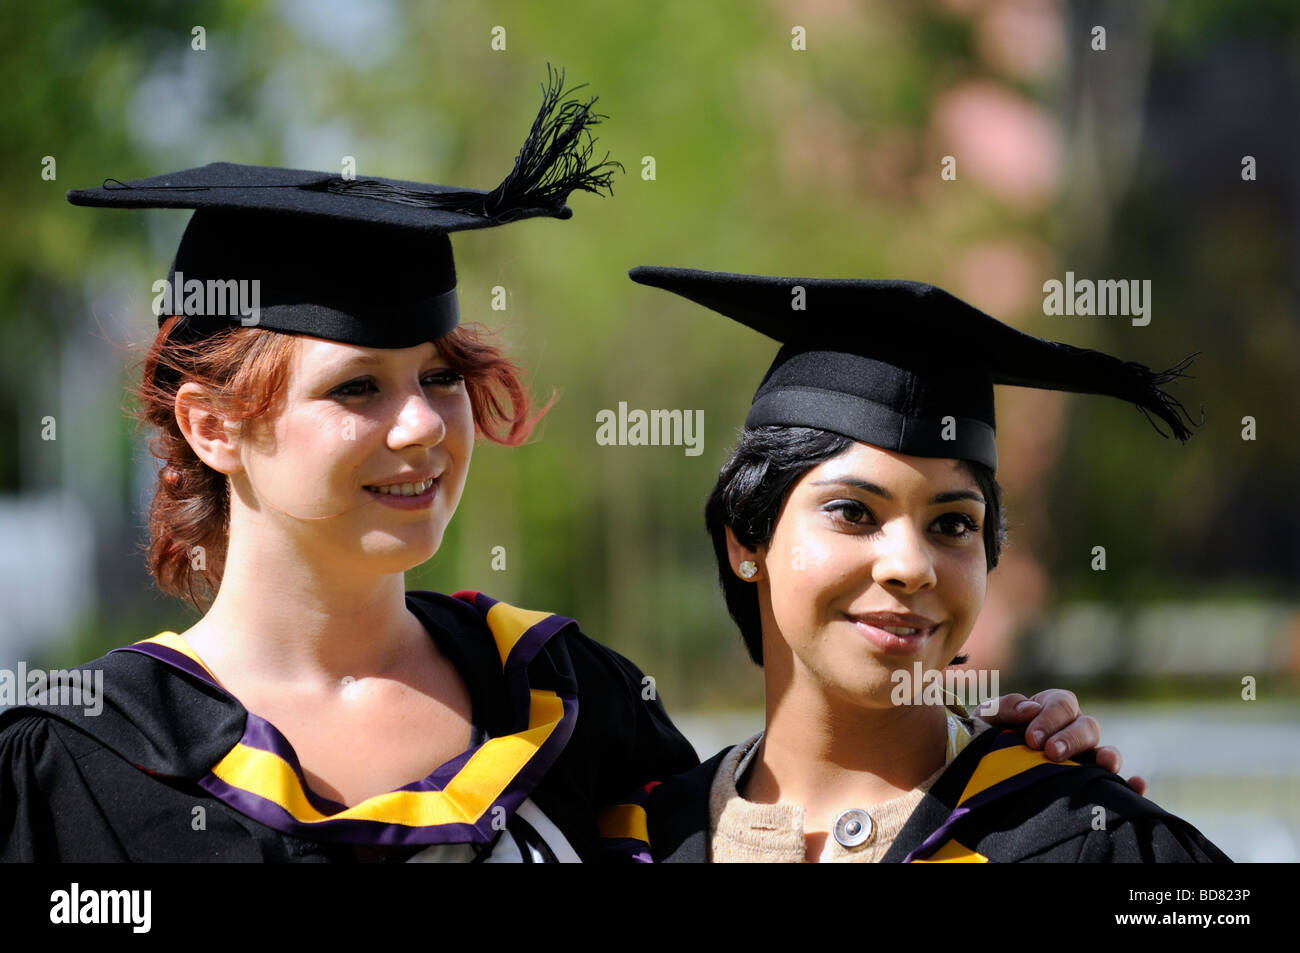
x=853, y=828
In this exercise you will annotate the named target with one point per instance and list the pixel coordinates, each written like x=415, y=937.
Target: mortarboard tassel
x=1135, y=383
x=554, y=160
x=1166, y=405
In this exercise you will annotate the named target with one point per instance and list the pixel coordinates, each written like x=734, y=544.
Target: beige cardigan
x=745, y=832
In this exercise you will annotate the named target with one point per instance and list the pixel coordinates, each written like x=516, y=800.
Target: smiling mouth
x=902, y=629
x=894, y=639
x=404, y=489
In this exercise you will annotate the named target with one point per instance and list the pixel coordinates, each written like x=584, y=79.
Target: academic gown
x=174, y=769
x=998, y=801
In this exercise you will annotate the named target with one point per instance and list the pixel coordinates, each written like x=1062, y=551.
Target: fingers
x=1057, y=727
x=1060, y=729
x=1079, y=736
x=1110, y=758
x=1009, y=711
x=1060, y=715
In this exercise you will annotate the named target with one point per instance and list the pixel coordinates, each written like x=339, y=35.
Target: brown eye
x=957, y=525
x=446, y=378
x=850, y=511
x=353, y=388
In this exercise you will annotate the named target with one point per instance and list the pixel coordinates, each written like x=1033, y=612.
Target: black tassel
x=1094, y=372
x=1151, y=399
x=1141, y=386
x=555, y=159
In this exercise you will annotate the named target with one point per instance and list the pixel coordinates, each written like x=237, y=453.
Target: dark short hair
x=753, y=486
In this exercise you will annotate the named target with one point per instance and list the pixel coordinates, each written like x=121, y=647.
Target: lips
x=405, y=484
x=415, y=491
x=414, y=488
x=895, y=633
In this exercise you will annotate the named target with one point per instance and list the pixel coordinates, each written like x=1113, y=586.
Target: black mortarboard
x=885, y=362
x=363, y=261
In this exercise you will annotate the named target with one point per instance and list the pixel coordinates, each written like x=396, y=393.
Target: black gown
x=174, y=769
x=998, y=801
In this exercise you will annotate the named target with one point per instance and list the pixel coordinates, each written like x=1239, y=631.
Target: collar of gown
x=462, y=801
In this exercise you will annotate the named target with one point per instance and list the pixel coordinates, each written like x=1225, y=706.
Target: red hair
x=244, y=372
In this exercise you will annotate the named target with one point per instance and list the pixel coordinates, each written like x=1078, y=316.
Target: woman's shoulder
x=64, y=754
x=666, y=819
x=1004, y=802
x=83, y=789
x=492, y=639
x=128, y=703
x=613, y=734
x=38, y=763
x=520, y=634
x=26, y=737
x=1090, y=815
x=40, y=700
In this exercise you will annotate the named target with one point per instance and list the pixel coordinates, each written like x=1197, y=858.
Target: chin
x=874, y=697
x=867, y=686
x=399, y=555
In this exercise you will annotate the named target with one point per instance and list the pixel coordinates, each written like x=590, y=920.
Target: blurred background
x=742, y=153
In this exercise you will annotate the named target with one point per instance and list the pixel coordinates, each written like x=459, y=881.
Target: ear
x=213, y=438
x=736, y=554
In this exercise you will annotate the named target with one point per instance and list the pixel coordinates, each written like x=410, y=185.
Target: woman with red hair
x=316, y=407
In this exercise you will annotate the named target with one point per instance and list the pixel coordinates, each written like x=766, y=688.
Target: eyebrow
x=951, y=496
x=369, y=360
x=362, y=360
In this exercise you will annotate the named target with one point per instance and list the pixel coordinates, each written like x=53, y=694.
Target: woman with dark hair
x=755, y=482
x=854, y=528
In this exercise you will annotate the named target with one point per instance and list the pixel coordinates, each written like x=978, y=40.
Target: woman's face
x=355, y=420
x=862, y=536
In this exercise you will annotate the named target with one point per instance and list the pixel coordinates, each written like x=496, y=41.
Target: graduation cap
x=902, y=365
x=363, y=261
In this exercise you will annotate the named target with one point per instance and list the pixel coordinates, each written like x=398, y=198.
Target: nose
x=418, y=423
x=903, y=560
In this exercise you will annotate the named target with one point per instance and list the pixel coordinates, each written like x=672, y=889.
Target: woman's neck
x=293, y=619
x=829, y=755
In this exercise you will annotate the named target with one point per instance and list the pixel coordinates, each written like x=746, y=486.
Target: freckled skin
x=313, y=585
x=305, y=472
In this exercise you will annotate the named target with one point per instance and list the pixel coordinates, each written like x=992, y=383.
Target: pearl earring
x=749, y=569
